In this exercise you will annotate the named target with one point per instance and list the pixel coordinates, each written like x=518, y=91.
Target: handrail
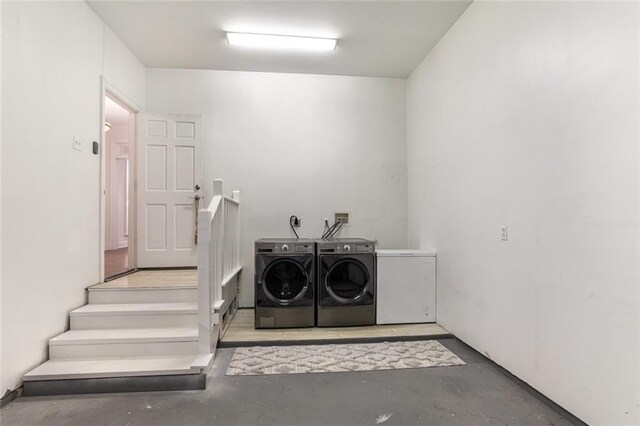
x=213, y=205
x=231, y=200
x=218, y=259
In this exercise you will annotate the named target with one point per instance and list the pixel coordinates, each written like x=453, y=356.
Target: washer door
x=347, y=280
x=285, y=281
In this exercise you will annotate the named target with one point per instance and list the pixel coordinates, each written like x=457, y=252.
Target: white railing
x=231, y=254
x=218, y=259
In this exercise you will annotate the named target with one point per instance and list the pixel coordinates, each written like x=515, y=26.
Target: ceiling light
x=271, y=41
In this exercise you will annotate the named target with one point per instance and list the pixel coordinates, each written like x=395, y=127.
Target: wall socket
x=77, y=145
x=342, y=217
x=297, y=222
x=504, y=233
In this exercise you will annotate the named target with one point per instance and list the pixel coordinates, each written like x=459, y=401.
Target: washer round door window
x=285, y=281
x=347, y=280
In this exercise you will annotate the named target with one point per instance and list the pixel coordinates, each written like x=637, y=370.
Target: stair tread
x=156, y=280
x=135, y=309
x=119, y=367
x=126, y=335
x=148, y=287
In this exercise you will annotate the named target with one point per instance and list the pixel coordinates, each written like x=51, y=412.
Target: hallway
x=116, y=261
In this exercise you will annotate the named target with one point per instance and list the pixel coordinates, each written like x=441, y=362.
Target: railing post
x=218, y=255
x=236, y=263
x=204, y=288
x=217, y=187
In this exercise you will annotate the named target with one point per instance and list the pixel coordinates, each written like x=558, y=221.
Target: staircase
x=128, y=338
x=152, y=330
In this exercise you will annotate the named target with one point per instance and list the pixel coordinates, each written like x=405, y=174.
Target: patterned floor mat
x=263, y=360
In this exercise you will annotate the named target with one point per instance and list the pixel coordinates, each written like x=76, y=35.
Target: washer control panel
x=293, y=248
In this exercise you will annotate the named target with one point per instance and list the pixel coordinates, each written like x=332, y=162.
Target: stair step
x=131, y=342
x=134, y=315
x=132, y=335
x=120, y=295
x=67, y=369
x=136, y=309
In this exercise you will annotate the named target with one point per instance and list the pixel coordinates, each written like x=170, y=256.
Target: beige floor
x=154, y=279
x=242, y=329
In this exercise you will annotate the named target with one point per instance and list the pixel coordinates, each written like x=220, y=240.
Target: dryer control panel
x=347, y=246
x=355, y=248
x=285, y=246
x=293, y=248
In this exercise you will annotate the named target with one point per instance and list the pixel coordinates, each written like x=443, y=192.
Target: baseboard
x=341, y=341
x=533, y=391
x=115, y=385
x=225, y=323
x=9, y=396
x=120, y=275
x=170, y=268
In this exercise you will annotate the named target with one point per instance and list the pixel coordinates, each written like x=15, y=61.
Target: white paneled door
x=169, y=182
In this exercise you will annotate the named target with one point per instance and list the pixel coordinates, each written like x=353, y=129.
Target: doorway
x=118, y=152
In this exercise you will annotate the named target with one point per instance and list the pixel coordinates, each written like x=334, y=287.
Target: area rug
x=265, y=360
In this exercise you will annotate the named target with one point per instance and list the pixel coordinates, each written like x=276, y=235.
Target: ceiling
x=375, y=38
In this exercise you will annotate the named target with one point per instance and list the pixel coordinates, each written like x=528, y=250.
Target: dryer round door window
x=347, y=280
x=285, y=281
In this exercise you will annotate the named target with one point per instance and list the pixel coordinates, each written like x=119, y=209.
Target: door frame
x=108, y=89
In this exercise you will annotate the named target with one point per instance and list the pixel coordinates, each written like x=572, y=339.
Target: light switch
x=504, y=234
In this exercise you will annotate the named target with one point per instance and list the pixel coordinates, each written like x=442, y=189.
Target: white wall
x=297, y=144
x=526, y=115
x=50, y=192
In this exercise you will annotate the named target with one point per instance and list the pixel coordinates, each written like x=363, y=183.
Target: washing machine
x=284, y=283
x=346, y=283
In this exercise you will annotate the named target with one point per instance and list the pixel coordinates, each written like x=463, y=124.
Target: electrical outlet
x=342, y=217
x=504, y=233
x=325, y=221
x=77, y=145
x=297, y=222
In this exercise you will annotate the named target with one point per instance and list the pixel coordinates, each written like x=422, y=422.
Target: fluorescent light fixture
x=272, y=41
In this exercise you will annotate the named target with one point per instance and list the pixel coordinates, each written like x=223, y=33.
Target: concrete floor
x=474, y=394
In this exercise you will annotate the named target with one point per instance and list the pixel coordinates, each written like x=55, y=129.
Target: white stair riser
x=144, y=296
x=111, y=350
x=90, y=322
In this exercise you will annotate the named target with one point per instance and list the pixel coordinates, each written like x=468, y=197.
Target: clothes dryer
x=346, y=287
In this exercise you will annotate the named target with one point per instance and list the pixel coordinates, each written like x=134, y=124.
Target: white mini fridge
x=406, y=286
